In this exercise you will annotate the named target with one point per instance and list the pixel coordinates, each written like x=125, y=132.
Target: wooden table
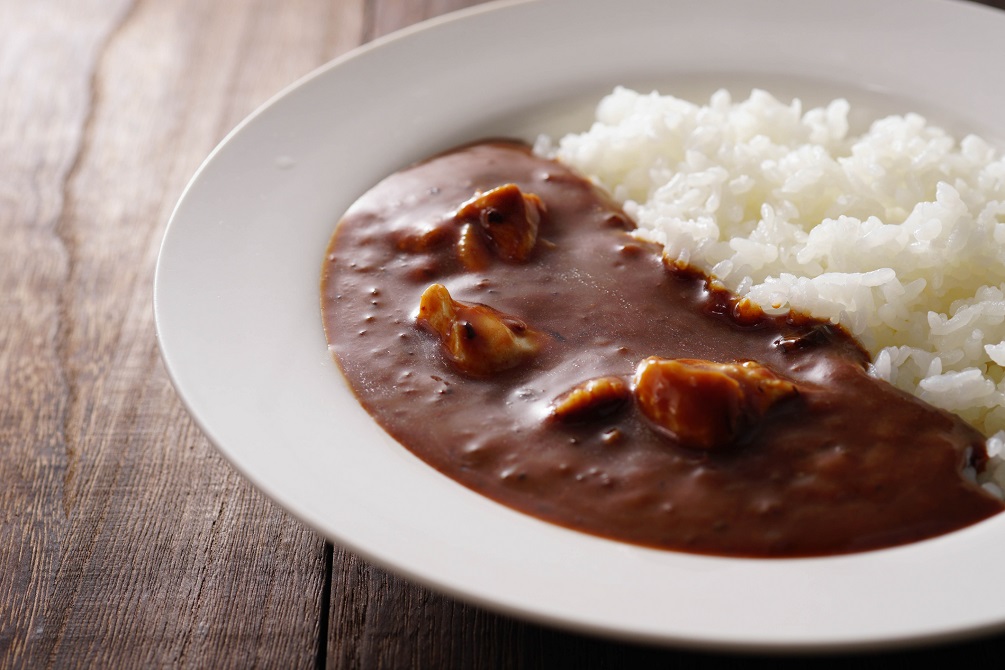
x=125, y=539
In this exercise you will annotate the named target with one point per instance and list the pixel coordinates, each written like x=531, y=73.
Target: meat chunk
x=477, y=339
x=592, y=399
x=509, y=219
x=706, y=405
x=471, y=249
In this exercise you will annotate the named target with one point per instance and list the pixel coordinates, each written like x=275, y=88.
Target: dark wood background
x=125, y=539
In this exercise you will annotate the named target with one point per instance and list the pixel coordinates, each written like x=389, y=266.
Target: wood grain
x=125, y=539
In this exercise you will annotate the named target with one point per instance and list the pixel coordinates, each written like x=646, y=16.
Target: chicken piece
x=471, y=249
x=706, y=405
x=508, y=217
x=478, y=340
x=424, y=239
x=592, y=399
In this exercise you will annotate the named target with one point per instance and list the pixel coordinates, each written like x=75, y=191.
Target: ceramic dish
x=237, y=304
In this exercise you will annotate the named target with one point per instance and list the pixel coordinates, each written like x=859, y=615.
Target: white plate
x=237, y=303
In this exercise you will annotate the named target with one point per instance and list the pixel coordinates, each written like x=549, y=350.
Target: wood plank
x=125, y=538
x=41, y=135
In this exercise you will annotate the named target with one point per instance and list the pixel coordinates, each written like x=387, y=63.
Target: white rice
x=898, y=234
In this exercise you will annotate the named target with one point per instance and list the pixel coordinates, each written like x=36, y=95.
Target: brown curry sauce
x=842, y=463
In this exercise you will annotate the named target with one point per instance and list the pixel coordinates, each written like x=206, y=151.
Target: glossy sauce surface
x=849, y=464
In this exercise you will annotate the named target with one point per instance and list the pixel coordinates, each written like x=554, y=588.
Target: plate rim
x=171, y=365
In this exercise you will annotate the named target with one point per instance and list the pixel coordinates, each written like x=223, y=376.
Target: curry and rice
x=559, y=350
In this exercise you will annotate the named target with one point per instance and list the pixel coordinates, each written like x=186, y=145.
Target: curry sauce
x=493, y=313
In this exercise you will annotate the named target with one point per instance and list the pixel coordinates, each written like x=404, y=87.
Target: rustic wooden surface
x=125, y=539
